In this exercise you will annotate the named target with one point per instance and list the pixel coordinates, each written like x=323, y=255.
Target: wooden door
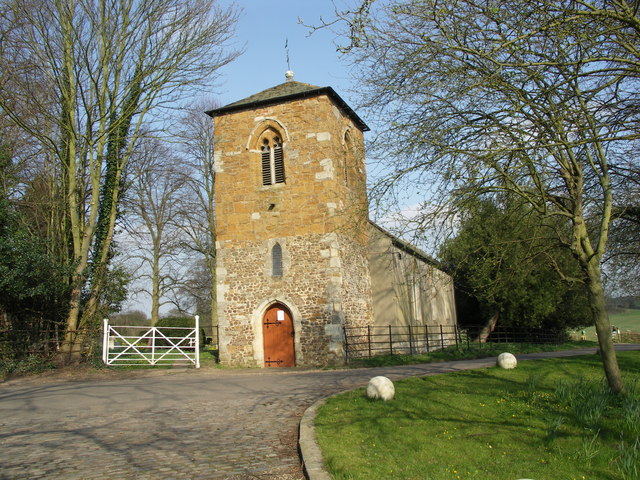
x=278, y=337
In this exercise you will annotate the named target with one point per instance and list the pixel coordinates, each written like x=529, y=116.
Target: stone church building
x=297, y=258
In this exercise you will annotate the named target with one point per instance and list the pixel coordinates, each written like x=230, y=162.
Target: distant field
x=627, y=321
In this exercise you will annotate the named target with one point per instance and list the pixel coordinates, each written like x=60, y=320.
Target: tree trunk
x=155, y=284
x=483, y=336
x=70, y=350
x=603, y=329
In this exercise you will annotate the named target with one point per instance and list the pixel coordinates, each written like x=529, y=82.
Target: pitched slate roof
x=409, y=248
x=286, y=92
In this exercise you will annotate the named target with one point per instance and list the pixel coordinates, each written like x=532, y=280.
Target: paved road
x=190, y=424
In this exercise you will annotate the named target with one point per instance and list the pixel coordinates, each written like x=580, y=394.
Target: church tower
x=292, y=226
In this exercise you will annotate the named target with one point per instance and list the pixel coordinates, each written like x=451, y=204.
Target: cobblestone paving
x=187, y=425
x=171, y=425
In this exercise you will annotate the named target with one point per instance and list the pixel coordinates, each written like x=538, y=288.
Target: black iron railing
x=370, y=341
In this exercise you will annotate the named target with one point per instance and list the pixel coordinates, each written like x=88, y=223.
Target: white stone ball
x=507, y=360
x=380, y=387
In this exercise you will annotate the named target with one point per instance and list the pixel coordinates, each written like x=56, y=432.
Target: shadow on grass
x=488, y=423
x=465, y=353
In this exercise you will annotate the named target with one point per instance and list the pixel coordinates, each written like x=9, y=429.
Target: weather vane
x=289, y=74
x=286, y=50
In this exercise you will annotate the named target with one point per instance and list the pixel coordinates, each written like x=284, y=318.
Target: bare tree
x=109, y=66
x=196, y=138
x=194, y=294
x=154, y=207
x=478, y=99
x=623, y=256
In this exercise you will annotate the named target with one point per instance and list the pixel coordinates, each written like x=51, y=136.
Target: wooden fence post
x=426, y=334
x=410, y=341
x=455, y=333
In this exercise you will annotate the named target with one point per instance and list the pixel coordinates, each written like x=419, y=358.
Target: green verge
x=466, y=353
x=546, y=419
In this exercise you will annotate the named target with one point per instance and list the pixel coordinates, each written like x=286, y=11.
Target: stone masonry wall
x=314, y=199
x=357, y=305
x=318, y=216
x=321, y=281
x=406, y=289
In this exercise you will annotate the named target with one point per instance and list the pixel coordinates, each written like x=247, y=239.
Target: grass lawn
x=466, y=353
x=547, y=419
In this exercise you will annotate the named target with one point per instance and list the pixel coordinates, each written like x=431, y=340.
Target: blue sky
x=263, y=29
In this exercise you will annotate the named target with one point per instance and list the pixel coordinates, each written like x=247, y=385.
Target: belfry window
x=272, y=161
x=276, y=260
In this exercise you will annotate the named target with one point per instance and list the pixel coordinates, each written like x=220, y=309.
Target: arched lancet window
x=348, y=156
x=276, y=260
x=272, y=159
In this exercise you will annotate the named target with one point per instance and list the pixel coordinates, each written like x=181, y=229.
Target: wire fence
x=370, y=341
x=23, y=342
x=20, y=343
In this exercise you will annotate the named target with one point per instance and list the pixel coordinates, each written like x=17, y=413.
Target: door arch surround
x=278, y=336
x=256, y=327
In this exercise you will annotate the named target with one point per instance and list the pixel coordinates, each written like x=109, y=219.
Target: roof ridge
x=283, y=89
x=408, y=246
x=287, y=91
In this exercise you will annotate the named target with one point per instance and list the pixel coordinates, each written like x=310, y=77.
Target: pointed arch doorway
x=278, y=337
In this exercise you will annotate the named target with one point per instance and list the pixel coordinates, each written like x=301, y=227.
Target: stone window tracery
x=272, y=159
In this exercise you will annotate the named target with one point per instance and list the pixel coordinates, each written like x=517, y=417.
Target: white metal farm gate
x=132, y=345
